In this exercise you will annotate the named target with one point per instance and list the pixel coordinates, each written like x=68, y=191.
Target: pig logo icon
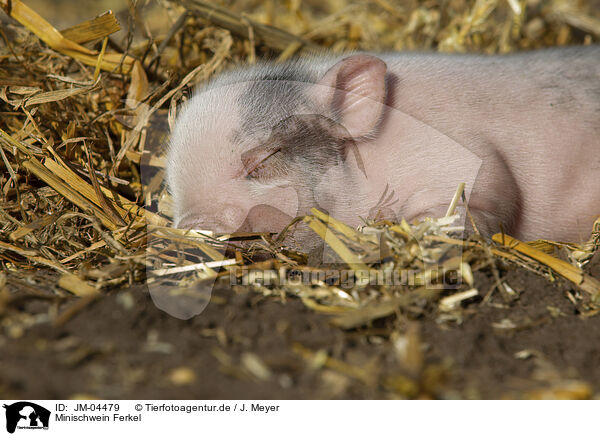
x=26, y=415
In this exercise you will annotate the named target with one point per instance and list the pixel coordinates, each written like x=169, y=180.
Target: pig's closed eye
x=257, y=165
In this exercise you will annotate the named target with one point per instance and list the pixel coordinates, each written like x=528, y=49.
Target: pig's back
x=537, y=112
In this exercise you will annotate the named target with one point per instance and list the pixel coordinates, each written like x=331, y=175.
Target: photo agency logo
x=250, y=156
x=25, y=415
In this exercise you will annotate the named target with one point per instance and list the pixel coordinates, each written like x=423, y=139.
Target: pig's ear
x=357, y=93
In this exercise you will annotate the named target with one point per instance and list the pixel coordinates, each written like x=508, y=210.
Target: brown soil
x=122, y=347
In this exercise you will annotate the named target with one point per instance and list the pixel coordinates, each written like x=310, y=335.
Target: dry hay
x=76, y=110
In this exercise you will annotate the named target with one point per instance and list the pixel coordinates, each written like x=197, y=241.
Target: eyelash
x=255, y=173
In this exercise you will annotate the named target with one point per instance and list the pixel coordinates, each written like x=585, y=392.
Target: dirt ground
x=244, y=345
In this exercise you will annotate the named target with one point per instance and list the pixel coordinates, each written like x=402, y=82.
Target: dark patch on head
x=275, y=93
x=298, y=153
x=301, y=149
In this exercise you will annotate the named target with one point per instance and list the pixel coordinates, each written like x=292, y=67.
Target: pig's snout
x=266, y=218
x=223, y=218
x=231, y=219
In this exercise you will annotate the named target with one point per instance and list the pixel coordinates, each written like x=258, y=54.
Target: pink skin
x=529, y=153
x=220, y=182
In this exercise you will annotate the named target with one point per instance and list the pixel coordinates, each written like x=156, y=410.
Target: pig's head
x=259, y=146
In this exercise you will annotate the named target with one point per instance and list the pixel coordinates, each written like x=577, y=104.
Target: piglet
x=260, y=145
